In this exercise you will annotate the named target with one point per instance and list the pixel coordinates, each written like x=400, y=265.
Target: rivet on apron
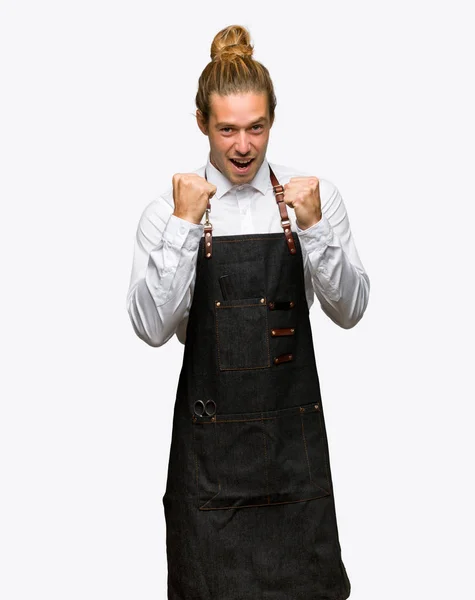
x=218, y=303
x=263, y=300
x=317, y=407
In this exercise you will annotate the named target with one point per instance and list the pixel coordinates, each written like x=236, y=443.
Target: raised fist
x=303, y=195
x=191, y=193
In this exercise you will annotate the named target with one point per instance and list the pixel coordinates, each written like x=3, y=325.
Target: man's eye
x=226, y=129
x=257, y=127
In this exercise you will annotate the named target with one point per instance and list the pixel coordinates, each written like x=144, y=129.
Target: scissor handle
x=210, y=410
x=201, y=408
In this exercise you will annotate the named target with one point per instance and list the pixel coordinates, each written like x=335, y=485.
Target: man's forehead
x=238, y=108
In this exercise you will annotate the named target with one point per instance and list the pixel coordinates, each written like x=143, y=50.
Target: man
x=249, y=501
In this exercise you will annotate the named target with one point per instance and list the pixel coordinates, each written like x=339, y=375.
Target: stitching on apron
x=324, y=445
x=215, y=471
x=267, y=337
x=215, y=241
x=238, y=420
x=246, y=368
x=305, y=445
x=208, y=501
x=325, y=493
x=239, y=306
x=196, y=463
x=283, y=413
x=217, y=335
x=265, y=459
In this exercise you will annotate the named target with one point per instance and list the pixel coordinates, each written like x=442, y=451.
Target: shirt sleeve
x=163, y=273
x=332, y=263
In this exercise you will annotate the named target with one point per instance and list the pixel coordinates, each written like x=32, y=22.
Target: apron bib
x=249, y=504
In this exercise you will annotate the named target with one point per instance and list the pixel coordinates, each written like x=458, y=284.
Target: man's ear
x=201, y=122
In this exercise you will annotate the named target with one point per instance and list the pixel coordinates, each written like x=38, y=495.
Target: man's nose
x=243, y=144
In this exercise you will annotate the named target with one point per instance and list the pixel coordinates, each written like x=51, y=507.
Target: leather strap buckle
x=208, y=229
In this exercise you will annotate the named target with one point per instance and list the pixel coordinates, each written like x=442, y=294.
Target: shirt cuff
x=180, y=233
x=316, y=237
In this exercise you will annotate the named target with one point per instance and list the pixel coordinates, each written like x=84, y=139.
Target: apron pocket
x=261, y=458
x=242, y=339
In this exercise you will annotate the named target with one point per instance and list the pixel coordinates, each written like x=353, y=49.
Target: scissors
x=201, y=408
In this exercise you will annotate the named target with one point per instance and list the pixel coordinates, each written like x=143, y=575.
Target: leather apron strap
x=284, y=218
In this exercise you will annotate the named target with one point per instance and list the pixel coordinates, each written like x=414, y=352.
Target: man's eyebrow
x=224, y=124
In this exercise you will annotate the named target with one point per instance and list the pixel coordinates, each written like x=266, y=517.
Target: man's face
x=238, y=132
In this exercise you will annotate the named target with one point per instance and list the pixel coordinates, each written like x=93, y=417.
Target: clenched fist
x=191, y=193
x=303, y=195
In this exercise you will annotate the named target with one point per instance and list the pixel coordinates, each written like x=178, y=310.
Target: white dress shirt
x=166, y=248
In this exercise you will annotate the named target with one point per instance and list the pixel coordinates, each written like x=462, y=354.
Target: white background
x=97, y=108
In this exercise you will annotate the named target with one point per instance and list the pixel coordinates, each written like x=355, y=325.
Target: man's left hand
x=303, y=195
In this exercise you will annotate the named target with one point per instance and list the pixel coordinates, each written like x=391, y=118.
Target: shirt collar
x=260, y=182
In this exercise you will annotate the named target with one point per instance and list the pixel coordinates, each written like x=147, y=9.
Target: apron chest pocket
x=261, y=458
x=242, y=338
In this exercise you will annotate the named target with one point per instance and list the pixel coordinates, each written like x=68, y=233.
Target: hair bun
x=231, y=42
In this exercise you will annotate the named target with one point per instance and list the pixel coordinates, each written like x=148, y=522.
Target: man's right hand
x=190, y=195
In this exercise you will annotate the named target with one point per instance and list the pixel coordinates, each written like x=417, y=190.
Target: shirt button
x=240, y=187
x=182, y=229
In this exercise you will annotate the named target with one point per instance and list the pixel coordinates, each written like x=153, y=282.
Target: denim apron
x=249, y=506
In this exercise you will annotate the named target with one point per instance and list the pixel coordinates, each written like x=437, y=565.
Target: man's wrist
x=304, y=226
x=186, y=217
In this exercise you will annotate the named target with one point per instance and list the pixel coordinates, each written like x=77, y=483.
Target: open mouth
x=242, y=165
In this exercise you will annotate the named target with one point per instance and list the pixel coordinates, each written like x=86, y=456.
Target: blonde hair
x=232, y=70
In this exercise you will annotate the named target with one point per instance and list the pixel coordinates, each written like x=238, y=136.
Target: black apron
x=249, y=506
